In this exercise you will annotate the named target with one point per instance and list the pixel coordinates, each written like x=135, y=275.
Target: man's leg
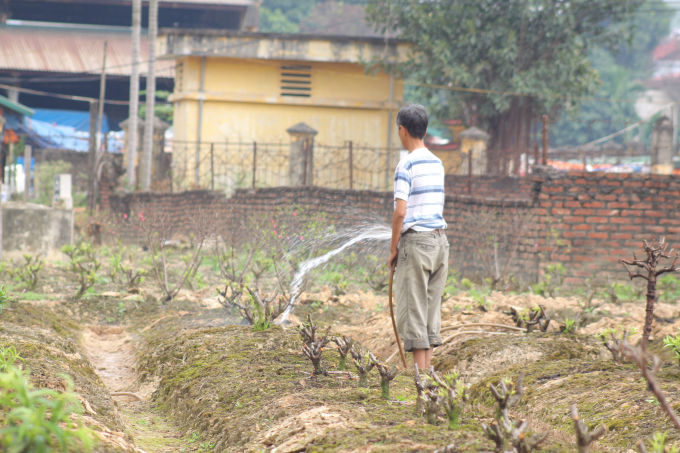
x=410, y=284
x=423, y=357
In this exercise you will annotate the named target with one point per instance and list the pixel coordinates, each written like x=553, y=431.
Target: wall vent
x=296, y=81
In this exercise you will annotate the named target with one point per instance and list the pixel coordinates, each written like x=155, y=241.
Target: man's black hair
x=414, y=118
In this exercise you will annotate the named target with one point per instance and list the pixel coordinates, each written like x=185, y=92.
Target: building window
x=296, y=81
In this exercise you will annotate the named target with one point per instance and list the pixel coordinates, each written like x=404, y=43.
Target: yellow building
x=235, y=88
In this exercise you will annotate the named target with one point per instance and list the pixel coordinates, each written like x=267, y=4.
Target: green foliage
x=620, y=71
x=163, y=111
x=569, y=326
x=28, y=272
x=39, y=421
x=668, y=288
x=339, y=284
x=539, y=48
x=8, y=357
x=658, y=444
x=4, y=299
x=552, y=282
x=84, y=263
x=44, y=179
x=377, y=274
x=618, y=292
x=673, y=343
x=284, y=16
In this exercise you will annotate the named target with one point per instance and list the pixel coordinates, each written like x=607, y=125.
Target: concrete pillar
x=662, y=147
x=301, y=155
x=62, y=192
x=28, y=156
x=13, y=95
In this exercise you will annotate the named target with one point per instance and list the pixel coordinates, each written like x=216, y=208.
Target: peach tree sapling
x=455, y=395
x=363, y=365
x=313, y=346
x=673, y=342
x=344, y=345
x=386, y=375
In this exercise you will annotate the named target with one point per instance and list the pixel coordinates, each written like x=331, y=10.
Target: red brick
x=584, y=259
x=597, y=219
x=618, y=205
x=584, y=242
x=546, y=204
x=561, y=211
x=622, y=236
x=572, y=204
x=630, y=212
x=598, y=235
x=607, y=227
x=651, y=213
x=583, y=211
x=642, y=206
x=632, y=183
x=608, y=212
x=593, y=204
x=574, y=219
x=632, y=228
x=574, y=234
x=583, y=226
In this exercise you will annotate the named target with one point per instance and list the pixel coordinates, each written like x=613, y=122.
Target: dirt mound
x=478, y=358
x=45, y=340
x=604, y=392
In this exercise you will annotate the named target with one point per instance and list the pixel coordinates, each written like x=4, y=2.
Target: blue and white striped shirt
x=419, y=179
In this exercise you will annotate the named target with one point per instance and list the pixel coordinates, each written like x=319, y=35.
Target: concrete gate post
x=301, y=155
x=662, y=147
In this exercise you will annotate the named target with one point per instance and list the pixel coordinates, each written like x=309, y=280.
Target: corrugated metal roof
x=16, y=106
x=211, y=2
x=78, y=50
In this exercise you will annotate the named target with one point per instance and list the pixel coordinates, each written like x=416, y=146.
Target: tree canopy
x=538, y=50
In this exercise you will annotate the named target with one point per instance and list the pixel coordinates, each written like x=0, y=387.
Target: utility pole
x=134, y=96
x=92, y=149
x=145, y=173
x=98, y=136
x=28, y=152
x=544, y=159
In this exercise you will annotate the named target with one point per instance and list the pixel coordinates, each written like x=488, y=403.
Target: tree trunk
x=649, y=318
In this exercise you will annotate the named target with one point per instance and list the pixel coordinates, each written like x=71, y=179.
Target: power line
x=68, y=96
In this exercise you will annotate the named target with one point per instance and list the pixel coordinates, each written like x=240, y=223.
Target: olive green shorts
x=419, y=282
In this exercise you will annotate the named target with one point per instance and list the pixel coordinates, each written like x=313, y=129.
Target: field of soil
x=187, y=374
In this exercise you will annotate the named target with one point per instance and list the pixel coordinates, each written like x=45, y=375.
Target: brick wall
x=587, y=221
x=603, y=217
x=489, y=186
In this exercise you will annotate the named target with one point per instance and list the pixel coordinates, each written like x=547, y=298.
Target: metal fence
x=230, y=166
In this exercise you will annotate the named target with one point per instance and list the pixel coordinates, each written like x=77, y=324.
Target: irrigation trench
x=111, y=350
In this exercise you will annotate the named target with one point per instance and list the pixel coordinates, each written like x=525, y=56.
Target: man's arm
x=397, y=222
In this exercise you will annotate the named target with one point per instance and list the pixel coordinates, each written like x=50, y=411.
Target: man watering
x=419, y=250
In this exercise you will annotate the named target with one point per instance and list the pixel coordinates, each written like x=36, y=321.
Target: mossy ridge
x=536, y=346
x=234, y=385
x=604, y=392
x=50, y=352
x=56, y=319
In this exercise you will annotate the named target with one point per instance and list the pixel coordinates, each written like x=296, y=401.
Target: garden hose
x=394, y=323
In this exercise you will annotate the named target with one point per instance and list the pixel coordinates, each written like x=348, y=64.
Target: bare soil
x=207, y=383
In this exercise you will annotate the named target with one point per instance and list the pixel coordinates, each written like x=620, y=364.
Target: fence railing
x=230, y=166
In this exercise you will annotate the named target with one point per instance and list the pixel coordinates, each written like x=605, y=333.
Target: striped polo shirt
x=419, y=179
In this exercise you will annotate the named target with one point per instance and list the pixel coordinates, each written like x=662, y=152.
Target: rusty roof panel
x=73, y=50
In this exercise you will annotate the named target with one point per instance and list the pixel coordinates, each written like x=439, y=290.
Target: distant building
x=234, y=87
x=56, y=46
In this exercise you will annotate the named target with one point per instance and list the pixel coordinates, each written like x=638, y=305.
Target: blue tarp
x=79, y=121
